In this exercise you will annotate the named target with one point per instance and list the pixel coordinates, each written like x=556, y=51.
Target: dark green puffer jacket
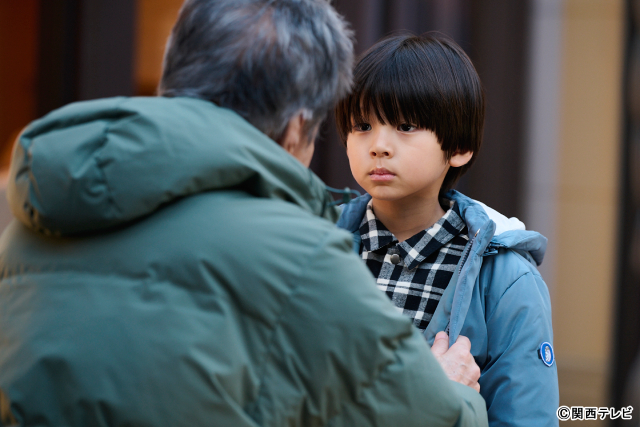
x=172, y=266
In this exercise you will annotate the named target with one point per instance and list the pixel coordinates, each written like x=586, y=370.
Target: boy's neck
x=405, y=218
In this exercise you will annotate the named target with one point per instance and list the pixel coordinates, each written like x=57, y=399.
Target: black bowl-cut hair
x=427, y=81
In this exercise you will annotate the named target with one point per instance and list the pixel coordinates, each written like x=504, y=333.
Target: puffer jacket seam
x=279, y=322
x=368, y=385
x=98, y=158
x=505, y=291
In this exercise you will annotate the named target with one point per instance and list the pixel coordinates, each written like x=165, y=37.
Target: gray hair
x=268, y=60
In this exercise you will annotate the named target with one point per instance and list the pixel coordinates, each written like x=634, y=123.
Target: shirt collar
x=418, y=247
x=373, y=233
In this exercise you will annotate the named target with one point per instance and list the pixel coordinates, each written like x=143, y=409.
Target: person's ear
x=460, y=159
x=295, y=140
x=290, y=139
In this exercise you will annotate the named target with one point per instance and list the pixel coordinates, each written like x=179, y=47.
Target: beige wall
x=587, y=197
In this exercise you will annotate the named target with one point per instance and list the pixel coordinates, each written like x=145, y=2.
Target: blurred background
x=561, y=148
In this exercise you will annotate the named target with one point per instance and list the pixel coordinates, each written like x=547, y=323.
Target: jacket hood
x=98, y=164
x=498, y=231
x=509, y=233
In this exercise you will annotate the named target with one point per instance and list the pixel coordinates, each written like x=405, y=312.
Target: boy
x=412, y=126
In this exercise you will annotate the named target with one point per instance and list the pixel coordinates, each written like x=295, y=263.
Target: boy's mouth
x=381, y=174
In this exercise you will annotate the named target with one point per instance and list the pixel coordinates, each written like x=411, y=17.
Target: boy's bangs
x=381, y=95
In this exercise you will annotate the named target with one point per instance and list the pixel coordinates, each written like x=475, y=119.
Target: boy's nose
x=380, y=147
x=376, y=153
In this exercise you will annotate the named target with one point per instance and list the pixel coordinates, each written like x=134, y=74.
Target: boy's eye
x=406, y=127
x=362, y=127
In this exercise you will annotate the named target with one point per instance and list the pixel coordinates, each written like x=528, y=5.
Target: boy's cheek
x=350, y=152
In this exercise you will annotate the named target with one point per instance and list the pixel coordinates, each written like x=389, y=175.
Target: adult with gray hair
x=267, y=61
x=174, y=262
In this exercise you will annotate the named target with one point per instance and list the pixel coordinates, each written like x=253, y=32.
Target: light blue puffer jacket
x=498, y=300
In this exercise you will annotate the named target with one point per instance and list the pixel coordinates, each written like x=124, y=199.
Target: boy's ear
x=460, y=159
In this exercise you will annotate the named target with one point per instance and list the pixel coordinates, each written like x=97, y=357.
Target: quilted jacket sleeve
x=520, y=390
x=370, y=366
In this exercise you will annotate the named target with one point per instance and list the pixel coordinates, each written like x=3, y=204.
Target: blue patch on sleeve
x=545, y=352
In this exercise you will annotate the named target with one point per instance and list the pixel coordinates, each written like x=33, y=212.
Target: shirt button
x=395, y=258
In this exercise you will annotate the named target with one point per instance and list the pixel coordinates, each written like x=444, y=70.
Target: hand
x=457, y=361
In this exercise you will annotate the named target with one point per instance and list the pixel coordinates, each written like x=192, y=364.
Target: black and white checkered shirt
x=414, y=273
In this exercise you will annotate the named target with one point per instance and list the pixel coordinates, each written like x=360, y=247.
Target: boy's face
x=395, y=163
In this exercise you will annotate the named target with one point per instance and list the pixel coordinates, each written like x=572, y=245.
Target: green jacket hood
x=98, y=164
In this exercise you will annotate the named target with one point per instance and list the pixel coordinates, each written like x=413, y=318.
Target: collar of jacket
x=488, y=232
x=507, y=232
x=97, y=164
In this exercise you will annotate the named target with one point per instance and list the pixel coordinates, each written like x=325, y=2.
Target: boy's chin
x=386, y=193
x=393, y=195
x=383, y=194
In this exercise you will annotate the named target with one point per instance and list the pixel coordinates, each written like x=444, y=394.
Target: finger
x=471, y=374
x=440, y=344
x=442, y=335
x=476, y=387
x=463, y=342
x=475, y=371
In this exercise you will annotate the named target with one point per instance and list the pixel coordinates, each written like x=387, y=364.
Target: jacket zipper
x=463, y=259
x=467, y=250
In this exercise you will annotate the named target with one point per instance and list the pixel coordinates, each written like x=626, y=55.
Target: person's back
x=173, y=265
